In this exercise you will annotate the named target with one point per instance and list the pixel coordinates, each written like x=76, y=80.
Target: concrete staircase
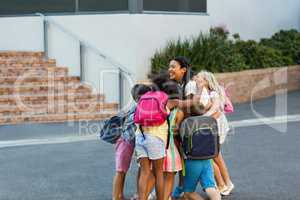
x=35, y=90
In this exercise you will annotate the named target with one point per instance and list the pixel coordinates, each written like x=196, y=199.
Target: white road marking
x=265, y=121
x=61, y=140
x=71, y=139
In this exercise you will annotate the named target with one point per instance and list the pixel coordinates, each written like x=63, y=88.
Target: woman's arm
x=192, y=105
x=188, y=103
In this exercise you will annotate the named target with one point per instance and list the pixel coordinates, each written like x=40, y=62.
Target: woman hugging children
x=159, y=111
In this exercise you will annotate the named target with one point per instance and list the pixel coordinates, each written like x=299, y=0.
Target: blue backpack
x=114, y=127
x=200, y=138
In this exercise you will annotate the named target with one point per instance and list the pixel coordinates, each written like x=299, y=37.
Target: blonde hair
x=213, y=84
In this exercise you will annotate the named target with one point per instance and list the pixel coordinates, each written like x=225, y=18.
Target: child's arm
x=215, y=106
x=178, y=119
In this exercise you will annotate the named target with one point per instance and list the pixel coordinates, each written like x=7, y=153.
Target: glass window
x=32, y=6
x=103, y=5
x=175, y=5
x=8, y=7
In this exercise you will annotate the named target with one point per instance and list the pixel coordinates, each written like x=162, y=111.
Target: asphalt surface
x=264, y=161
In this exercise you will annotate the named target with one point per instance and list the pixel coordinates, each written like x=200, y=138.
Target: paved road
x=264, y=162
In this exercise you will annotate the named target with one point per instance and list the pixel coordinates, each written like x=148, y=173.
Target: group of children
x=158, y=148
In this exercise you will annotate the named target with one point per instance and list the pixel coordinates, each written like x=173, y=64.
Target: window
x=19, y=7
x=16, y=7
x=175, y=5
x=8, y=7
x=103, y=5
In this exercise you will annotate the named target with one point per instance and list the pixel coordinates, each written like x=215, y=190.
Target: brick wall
x=260, y=83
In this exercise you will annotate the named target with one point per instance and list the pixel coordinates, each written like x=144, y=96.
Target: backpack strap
x=171, y=145
x=171, y=121
x=142, y=131
x=169, y=132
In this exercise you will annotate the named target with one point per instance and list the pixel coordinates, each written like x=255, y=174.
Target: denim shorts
x=151, y=147
x=198, y=171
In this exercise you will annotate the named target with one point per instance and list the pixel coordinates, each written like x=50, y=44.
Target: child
x=199, y=170
x=151, y=144
x=125, y=146
x=172, y=161
x=216, y=94
x=192, y=92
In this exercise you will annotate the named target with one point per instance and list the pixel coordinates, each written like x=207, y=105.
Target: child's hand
x=175, y=129
x=172, y=103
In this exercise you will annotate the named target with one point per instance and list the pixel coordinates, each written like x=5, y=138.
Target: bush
x=257, y=55
x=288, y=42
x=214, y=51
x=160, y=60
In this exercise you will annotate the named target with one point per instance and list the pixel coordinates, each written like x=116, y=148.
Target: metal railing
x=85, y=44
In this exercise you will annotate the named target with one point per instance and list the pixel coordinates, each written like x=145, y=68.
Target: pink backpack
x=228, y=106
x=151, y=109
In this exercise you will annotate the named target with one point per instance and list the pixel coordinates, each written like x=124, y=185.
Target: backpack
x=151, y=109
x=228, y=106
x=114, y=127
x=200, y=139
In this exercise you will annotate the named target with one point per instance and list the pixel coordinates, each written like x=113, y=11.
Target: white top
x=191, y=88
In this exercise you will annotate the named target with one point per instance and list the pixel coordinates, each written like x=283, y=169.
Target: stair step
x=43, y=90
x=34, y=90
x=21, y=53
x=40, y=71
x=21, y=59
x=27, y=63
x=50, y=118
x=45, y=98
x=85, y=106
x=36, y=79
x=48, y=89
x=63, y=83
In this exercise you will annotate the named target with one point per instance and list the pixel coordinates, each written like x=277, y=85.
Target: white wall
x=21, y=33
x=131, y=39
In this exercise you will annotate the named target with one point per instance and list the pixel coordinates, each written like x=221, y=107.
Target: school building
x=107, y=44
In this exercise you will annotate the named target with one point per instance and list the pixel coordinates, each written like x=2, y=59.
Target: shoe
x=228, y=191
x=178, y=192
x=135, y=197
x=222, y=189
x=152, y=195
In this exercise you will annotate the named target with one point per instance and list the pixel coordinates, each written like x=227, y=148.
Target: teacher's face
x=176, y=72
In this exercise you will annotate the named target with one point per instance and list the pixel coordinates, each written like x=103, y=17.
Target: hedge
x=217, y=51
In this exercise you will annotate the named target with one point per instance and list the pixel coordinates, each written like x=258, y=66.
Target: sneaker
x=178, y=192
x=135, y=197
x=228, y=191
x=222, y=189
x=152, y=195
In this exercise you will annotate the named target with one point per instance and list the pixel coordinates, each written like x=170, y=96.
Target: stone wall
x=261, y=83
x=257, y=84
